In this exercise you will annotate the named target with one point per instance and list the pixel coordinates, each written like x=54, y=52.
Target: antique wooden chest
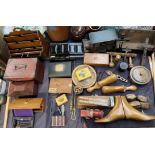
x=23, y=88
x=24, y=69
x=26, y=43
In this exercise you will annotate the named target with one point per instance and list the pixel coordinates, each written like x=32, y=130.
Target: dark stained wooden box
x=24, y=69
x=23, y=88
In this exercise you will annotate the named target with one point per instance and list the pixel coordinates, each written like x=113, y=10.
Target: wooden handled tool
x=111, y=64
x=114, y=89
x=108, y=80
x=131, y=65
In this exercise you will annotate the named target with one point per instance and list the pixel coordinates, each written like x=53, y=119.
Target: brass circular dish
x=87, y=82
x=140, y=75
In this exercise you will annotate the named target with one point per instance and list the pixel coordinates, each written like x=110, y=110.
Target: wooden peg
x=131, y=65
x=111, y=64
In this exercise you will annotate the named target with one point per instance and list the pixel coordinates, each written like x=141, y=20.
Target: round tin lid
x=140, y=75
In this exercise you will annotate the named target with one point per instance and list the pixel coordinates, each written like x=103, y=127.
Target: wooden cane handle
x=114, y=89
x=108, y=80
x=91, y=89
x=132, y=87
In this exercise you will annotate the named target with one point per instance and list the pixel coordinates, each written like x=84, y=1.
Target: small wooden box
x=24, y=69
x=36, y=104
x=23, y=88
x=60, y=85
x=96, y=59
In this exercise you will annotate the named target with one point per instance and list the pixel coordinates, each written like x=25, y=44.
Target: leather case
x=23, y=88
x=26, y=43
x=96, y=59
x=60, y=85
x=60, y=69
x=2, y=87
x=36, y=104
x=24, y=69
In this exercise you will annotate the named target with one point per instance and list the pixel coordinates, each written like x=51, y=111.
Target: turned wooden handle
x=91, y=89
x=114, y=89
x=108, y=80
x=132, y=87
x=131, y=65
